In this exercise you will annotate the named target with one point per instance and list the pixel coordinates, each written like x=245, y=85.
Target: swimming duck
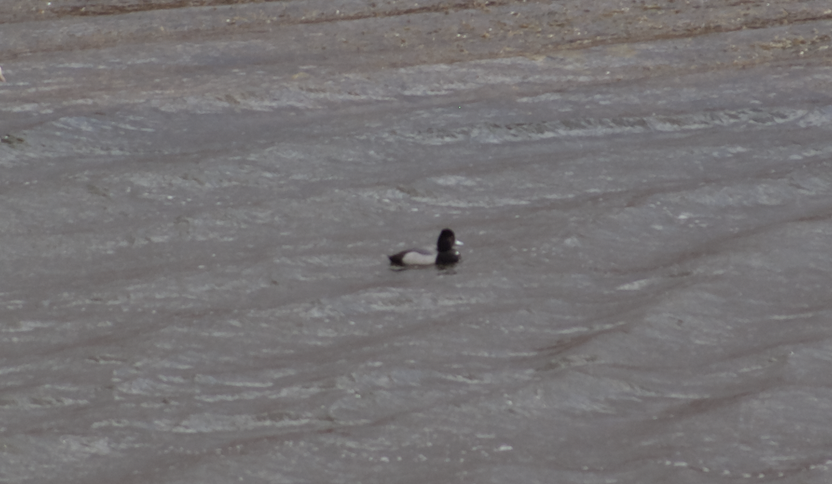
x=444, y=255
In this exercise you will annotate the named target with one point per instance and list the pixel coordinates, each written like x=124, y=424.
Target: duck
x=444, y=255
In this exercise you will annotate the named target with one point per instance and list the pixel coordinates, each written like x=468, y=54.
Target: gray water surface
x=196, y=203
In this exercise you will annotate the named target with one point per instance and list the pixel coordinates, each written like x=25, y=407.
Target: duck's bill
x=458, y=242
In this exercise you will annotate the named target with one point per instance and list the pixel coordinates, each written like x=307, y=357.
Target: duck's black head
x=446, y=241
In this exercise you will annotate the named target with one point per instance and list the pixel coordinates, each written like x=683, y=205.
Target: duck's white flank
x=419, y=258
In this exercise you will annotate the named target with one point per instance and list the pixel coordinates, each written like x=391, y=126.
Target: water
x=197, y=203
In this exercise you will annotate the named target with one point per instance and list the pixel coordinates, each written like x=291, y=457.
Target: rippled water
x=196, y=204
